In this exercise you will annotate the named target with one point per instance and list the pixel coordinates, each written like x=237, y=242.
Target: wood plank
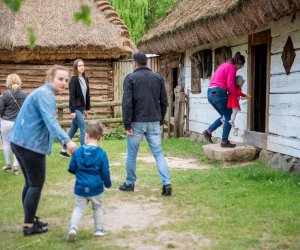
x=103, y=120
x=277, y=66
x=287, y=126
x=285, y=105
x=284, y=145
x=285, y=25
x=255, y=139
x=285, y=83
x=279, y=41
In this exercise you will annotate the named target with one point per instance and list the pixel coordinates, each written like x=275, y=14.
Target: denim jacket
x=36, y=125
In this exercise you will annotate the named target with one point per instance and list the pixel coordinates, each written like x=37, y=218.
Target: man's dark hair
x=140, y=58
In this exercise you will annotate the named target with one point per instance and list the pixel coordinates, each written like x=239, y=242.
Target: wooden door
x=259, y=81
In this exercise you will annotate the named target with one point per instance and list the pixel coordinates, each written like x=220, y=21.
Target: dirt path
x=144, y=218
x=136, y=221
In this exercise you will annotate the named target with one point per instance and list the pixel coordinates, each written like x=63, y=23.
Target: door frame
x=263, y=37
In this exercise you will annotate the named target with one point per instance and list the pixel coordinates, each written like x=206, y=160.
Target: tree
x=141, y=15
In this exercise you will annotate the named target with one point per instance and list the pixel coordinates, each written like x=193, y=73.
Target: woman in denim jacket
x=31, y=139
x=79, y=102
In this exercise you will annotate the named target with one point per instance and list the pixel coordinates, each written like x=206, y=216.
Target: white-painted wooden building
x=206, y=33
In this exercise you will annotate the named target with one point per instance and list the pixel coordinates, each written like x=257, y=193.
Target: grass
x=250, y=207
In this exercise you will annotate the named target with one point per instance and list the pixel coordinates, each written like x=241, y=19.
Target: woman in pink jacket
x=222, y=83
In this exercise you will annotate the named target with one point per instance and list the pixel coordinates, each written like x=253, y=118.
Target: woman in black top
x=10, y=103
x=79, y=102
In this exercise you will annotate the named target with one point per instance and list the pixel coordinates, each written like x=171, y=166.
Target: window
x=222, y=54
x=201, y=68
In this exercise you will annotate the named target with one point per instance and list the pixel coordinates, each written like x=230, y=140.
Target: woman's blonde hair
x=13, y=81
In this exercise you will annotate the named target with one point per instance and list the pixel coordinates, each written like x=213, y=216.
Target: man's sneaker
x=100, y=232
x=126, y=187
x=72, y=235
x=166, y=190
x=227, y=145
x=64, y=154
x=207, y=136
x=39, y=222
x=35, y=229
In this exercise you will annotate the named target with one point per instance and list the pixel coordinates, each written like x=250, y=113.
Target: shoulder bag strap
x=14, y=99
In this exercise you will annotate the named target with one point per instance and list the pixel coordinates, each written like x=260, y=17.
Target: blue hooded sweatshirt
x=91, y=167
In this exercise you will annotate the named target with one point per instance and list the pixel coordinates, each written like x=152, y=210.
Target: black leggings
x=33, y=166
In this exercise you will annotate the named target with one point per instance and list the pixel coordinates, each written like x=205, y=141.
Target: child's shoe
x=16, y=171
x=236, y=132
x=72, y=235
x=100, y=232
x=6, y=168
x=231, y=122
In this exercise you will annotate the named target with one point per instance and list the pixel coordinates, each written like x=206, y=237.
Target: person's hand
x=129, y=132
x=85, y=112
x=71, y=146
x=73, y=115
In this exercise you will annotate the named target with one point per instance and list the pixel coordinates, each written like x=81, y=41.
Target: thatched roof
x=59, y=37
x=191, y=23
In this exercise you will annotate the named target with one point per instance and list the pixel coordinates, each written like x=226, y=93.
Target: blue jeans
x=78, y=122
x=151, y=130
x=218, y=98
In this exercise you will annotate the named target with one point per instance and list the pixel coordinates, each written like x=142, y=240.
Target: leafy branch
x=83, y=16
x=14, y=5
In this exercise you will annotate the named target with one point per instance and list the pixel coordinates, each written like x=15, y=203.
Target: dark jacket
x=76, y=99
x=91, y=167
x=8, y=107
x=144, y=98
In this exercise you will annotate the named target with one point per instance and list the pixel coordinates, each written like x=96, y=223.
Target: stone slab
x=240, y=153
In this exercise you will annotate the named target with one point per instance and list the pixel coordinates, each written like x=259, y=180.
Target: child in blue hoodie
x=90, y=165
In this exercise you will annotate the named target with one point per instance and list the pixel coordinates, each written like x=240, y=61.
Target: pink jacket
x=224, y=77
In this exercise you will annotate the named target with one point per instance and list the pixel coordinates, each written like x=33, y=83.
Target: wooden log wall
x=100, y=74
x=284, y=115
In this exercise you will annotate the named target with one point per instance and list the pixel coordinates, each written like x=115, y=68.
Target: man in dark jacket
x=144, y=108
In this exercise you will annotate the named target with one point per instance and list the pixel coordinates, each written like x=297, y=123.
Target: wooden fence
x=66, y=123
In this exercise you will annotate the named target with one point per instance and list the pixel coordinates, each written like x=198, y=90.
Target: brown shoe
x=207, y=136
x=227, y=145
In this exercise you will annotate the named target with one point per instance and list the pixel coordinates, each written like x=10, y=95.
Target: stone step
x=241, y=152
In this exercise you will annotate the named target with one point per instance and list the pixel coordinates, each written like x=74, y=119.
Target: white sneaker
x=100, y=232
x=72, y=235
x=231, y=123
x=236, y=132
